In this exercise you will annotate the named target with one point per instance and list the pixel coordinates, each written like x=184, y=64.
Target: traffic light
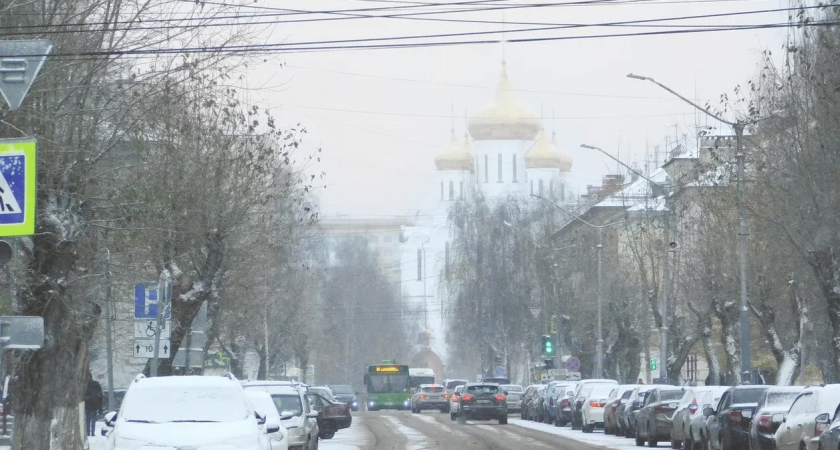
x=652, y=364
x=547, y=345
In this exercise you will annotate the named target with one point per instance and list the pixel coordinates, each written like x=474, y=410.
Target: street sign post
x=17, y=187
x=145, y=348
x=146, y=329
x=20, y=62
x=573, y=364
x=146, y=298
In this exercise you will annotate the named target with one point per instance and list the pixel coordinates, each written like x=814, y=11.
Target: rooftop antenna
x=504, y=39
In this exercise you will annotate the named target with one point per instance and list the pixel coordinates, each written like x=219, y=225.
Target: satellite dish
x=5, y=252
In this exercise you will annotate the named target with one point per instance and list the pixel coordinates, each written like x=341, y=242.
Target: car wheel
x=503, y=419
x=312, y=444
x=676, y=444
x=444, y=410
x=327, y=435
x=689, y=441
x=452, y=416
x=651, y=440
x=639, y=441
x=462, y=420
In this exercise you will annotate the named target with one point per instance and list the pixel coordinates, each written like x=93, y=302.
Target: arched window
x=551, y=188
x=441, y=190
x=541, y=188
x=562, y=192
x=513, y=158
x=500, y=167
x=451, y=190
x=532, y=187
x=461, y=190
x=419, y=264
x=486, y=169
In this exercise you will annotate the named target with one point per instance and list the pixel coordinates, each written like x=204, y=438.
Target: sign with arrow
x=145, y=348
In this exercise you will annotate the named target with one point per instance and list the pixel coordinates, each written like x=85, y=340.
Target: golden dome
x=455, y=157
x=565, y=158
x=544, y=155
x=504, y=117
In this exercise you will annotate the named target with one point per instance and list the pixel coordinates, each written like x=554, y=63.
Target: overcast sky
x=380, y=116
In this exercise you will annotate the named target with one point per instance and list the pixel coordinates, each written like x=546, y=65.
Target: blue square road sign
x=146, y=301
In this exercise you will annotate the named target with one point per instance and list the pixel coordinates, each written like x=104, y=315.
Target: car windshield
x=388, y=383
x=185, y=404
x=483, y=389
x=780, y=398
x=342, y=389
x=288, y=403
x=432, y=389
x=746, y=395
x=670, y=395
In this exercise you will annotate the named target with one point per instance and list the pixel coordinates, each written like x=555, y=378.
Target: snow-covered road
x=406, y=431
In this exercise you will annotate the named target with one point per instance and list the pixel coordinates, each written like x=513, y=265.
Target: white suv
x=187, y=412
x=300, y=419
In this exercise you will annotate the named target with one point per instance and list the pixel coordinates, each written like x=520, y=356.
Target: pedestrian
x=640, y=381
x=93, y=404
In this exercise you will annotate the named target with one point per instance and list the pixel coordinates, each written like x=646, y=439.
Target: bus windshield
x=383, y=384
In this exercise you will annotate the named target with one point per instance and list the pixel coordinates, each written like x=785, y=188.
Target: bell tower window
x=451, y=190
x=514, y=168
x=500, y=168
x=486, y=169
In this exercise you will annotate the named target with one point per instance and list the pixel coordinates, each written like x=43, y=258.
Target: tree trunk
x=824, y=264
x=50, y=383
x=728, y=315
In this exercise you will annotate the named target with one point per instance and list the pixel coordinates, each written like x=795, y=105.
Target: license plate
x=483, y=402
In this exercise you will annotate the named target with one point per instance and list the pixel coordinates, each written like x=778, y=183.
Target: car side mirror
x=286, y=415
x=823, y=418
x=104, y=431
x=312, y=414
x=110, y=417
x=778, y=418
x=708, y=411
x=260, y=418
x=272, y=427
x=505, y=392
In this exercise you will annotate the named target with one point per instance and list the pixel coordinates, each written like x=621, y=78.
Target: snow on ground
x=352, y=438
x=97, y=442
x=597, y=438
x=416, y=440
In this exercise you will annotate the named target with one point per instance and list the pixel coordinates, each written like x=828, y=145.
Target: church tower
x=455, y=169
x=545, y=163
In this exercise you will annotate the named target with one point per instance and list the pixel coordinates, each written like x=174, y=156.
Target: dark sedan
x=763, y=428
x=332, y=416
x=830, y=439
x=482, y=401
x=653, y=422
x=344, y=393
x=729, y=426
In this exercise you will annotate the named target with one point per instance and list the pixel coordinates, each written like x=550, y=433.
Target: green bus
x=388, y=386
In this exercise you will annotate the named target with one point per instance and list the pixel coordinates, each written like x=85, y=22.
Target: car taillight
x=565, y=403
x=422, y=395
x=735, y=416
x=692, y=408
x=454, y=399
x=819, y=428
x=596, y=405
x=765, y=421
x=467, y=397
x=500, y=397
x=445, y=395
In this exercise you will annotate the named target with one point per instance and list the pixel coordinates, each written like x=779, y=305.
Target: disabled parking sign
x=18, y=187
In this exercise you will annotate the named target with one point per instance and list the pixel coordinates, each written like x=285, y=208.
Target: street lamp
x=666, y=275
x=738, y=127
x=599, y=347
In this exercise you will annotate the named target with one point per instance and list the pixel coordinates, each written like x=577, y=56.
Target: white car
x=592, y=411
x=264, y=406
x=187, y=412
x=809, y=415
x=454, y=405
x=302, y=424
x=513, y=397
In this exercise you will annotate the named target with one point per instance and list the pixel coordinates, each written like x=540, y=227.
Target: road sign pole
x=187, y=353
x=163, y=291
x=108, y=335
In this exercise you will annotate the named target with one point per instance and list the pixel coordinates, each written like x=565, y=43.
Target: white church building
x=506, y=152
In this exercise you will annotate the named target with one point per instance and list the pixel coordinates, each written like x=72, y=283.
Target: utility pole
x=746, y=366
x=108, y=332
x=599, y=352
x=163, y=302
x=666, y=276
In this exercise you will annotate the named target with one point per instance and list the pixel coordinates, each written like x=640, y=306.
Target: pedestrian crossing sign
x=17, y=187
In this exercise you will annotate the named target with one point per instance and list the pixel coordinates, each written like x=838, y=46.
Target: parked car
x=325, y=391
x=729, y=425
x=698, y=432
x=527, y=401
x=549, y=403
x=450, y=385
x=592, y=412
x=808, y=417
x=627, y=418
x=266, y=409
x=689, y=407
x=429, y=396
x=291, y=397
x=654, y=420
x=345, y=393
x=830, y=438
x=332, y=416
x=774, y=401
x=563, y=401
x=616, y=401
x=577, y=404
x=482, y=401
x=455, y=401
x=538, y=405
x=186, y=412
x=513, y=397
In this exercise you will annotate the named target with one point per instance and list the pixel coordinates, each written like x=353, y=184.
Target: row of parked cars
x=224, y=414
x=754, y=417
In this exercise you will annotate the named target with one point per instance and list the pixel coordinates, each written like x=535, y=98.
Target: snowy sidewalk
x=597, y=438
